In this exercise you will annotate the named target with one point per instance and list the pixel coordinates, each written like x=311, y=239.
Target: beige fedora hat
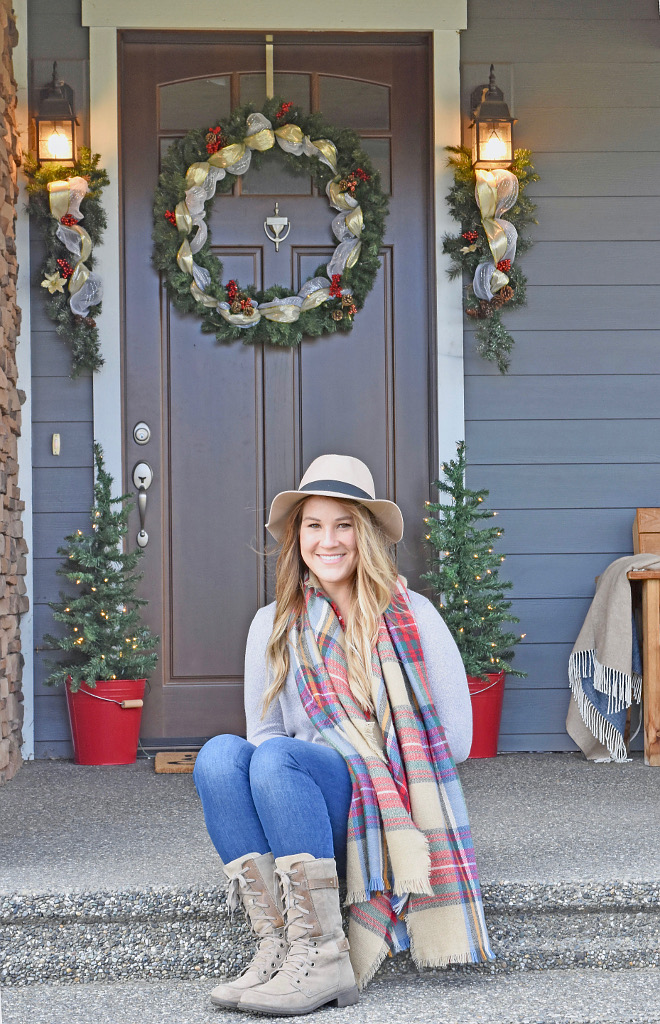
x=337, y=476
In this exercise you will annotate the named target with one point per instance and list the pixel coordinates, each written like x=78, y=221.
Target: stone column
x=13, y=601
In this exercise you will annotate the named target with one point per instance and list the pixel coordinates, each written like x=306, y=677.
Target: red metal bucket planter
x=487, y=695
x=105, y=721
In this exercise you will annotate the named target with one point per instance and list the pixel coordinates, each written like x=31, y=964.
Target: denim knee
x=221, y=756
x=272, y=755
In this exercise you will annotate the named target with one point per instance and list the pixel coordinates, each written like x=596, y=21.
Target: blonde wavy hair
x=373, y=586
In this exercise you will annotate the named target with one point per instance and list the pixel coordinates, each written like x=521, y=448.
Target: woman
x=357, y=707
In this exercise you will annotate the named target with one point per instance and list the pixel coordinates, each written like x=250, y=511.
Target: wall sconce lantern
x=56, y=123
x=492, y=141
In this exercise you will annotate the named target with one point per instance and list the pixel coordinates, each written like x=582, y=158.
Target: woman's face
x=328, y=544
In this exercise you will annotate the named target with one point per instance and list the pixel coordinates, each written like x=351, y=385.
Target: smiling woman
x=357, y=708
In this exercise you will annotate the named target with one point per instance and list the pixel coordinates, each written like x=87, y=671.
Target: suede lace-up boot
x=317, y=969
x=252, y=883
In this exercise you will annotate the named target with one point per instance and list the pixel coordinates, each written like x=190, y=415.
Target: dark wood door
x=232, y=425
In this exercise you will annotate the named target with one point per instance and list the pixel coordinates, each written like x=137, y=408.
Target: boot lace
x=268, y=956
x=300, y=952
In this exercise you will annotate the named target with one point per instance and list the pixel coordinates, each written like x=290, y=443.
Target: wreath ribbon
x=85, y=287
x=495, y=192
x=201, y=181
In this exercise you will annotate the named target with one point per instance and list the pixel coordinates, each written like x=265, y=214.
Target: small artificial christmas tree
x=104, y=638
x=465, y=574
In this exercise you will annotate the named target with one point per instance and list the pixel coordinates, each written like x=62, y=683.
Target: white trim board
x=24, y=364
x=444, y=18
x=289, y=15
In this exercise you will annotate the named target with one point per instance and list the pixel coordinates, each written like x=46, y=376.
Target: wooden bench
x=646, y=540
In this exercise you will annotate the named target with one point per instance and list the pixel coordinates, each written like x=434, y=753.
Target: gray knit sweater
x=286, y=715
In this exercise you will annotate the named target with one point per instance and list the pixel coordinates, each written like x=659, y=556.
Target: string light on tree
x=106, y=606
x=473, y=604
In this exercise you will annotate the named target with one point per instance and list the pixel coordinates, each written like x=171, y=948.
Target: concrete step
x=185, y=933
x=461, y=996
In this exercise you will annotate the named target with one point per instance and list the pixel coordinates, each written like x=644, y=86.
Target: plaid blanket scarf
x=411, y=871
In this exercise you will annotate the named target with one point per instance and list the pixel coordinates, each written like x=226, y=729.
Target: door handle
x=143, y=476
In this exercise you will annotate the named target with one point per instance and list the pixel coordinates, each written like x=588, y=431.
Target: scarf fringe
x=580, y=664
x=467, y=957
x=364, y=979
x=418, y=886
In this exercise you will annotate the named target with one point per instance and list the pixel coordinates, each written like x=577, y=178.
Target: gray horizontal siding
x=568, y=444
x=557, y=487
x=531, y=40
x=576, y=351
x=596, y=174
x=601, y=441
x=585, y=10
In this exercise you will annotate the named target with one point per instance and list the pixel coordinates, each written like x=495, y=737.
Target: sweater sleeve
x=447, y=679
x=259, y=729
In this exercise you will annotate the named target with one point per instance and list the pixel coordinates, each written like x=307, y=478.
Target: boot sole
x=227, y=1003
x=347, y=998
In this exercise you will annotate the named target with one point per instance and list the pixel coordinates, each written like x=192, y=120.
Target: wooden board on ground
x=175, y=763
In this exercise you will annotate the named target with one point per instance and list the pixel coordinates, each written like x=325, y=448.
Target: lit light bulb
x=59, y=146
x=494, y=148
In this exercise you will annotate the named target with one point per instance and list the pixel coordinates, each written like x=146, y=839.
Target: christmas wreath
x=206, y=161
x=488, y=244
x=59, y=199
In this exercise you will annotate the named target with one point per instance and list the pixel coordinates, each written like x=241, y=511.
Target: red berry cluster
x=352, y=310
x=246, y=305
x=232, y=291
x=170, y=216
x=504, y=266
x=352, y=180
x=283, y=111
x=470, y=236
x=68, y=220
x=214, y=140
x=335, y=287
x=66, y=270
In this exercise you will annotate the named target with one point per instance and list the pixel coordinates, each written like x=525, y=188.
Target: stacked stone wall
x=13, y=602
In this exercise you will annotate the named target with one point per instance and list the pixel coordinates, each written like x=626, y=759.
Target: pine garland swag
x=469, y=248
x=81, y=333
x=333, y=315
x=464, y=573
x=104, y=637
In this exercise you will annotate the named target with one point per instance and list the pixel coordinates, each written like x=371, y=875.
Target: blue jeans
x=286, y=795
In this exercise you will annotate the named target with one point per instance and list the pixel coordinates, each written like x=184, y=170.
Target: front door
x=232, y=425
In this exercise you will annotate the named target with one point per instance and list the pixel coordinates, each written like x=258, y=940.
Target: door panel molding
x=443, y=21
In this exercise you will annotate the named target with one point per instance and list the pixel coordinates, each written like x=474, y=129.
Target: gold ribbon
x=59, y=194
x=315, y=299
x=184, y=257
x=200, y=296
x=228, y=155
x=355, y=221
x=353, y=257
x=183, y=219
x=487, y=202
x=290, y=133
x=329, y=151
x=239, y=318
x=262, y=140
x=338, y=198
x=287, y=314
x=78, y=278
x=197, y=174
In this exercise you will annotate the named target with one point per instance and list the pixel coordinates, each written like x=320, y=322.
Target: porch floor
x=112, y=906
x=535, y=818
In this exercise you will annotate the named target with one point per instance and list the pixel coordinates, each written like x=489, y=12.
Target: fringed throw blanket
x=604, y=668
x=411, y=871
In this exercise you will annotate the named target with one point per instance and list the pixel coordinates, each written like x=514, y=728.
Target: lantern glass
x=55, y=141
x=492, y=144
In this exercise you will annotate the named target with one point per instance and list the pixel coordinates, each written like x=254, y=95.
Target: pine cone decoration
x=506, y=293
x=337, y=314
x=486, y=309
x=235, y=307
x=498, y=301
